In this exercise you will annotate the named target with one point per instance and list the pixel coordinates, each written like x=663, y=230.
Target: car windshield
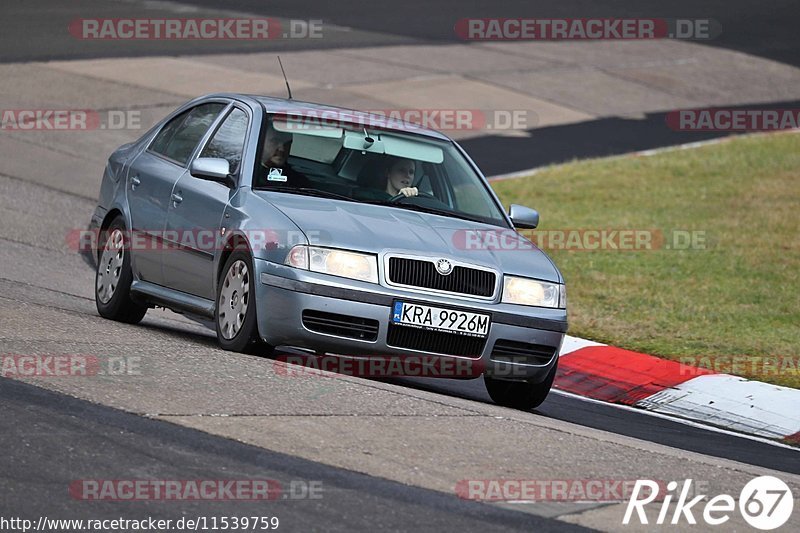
x=346, y=161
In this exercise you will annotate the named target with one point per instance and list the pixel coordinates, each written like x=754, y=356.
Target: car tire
x=113, y=277
x=523, y=395
x=235, y=316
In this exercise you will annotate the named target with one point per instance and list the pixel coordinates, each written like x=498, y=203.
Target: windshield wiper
x=308, y=191
x=432, y=210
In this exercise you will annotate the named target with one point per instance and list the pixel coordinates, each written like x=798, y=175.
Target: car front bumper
x=284, y=293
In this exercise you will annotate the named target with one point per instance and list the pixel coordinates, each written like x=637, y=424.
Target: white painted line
x=572, y=344
x=677, y=147
x=515, y=175
x=678, y=420
x=733, y=402
x=647, y=153
x=718, y=140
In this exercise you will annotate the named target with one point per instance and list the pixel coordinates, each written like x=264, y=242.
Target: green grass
x=737, y=297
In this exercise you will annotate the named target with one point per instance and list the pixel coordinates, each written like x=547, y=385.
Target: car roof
x=323, y=111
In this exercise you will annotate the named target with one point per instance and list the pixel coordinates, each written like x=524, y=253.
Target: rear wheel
x=522, y=395
x=237, y=327
x=113, y=277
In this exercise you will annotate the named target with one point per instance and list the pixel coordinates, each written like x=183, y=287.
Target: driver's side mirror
x=212, y=169
x=523, y=217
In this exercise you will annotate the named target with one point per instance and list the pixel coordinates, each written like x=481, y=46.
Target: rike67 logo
x=765, y=503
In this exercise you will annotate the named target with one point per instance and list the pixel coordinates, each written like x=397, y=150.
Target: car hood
x=378, y=228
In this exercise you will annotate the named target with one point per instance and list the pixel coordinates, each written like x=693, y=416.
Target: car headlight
x=353, y=265
x=525, y=291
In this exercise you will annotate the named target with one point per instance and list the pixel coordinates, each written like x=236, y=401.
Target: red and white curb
x=605, y=373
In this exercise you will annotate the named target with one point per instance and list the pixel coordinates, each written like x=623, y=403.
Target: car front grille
x=522, y=352
x=434, y=341
x=352, y=327
x=422, y=273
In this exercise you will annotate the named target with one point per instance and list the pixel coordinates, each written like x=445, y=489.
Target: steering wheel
x=400, y=196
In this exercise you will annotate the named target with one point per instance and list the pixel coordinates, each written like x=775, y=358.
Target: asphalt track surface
x=50, y=439
x=36, y=30
x=631, y=423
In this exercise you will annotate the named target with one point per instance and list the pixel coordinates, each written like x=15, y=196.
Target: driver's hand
x=409, y=191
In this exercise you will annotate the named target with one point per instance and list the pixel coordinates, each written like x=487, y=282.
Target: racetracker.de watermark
x=442, y=119
x=384, y=366
x=68, y=365
x=580, y=239
x=581, y=29
x=253, y=490
x=765, y=366
x=69, y=119
x=733, y=119
x=546, y=490
x=207, y=240
x=193, y=29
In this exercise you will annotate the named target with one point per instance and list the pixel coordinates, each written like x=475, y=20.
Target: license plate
x=440, y=319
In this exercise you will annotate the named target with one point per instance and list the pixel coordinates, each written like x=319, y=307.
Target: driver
x=274, y=169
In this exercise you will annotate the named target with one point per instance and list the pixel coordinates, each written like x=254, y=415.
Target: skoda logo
x=444, y=267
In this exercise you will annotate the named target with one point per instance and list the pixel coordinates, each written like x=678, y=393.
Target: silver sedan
x=340, y=233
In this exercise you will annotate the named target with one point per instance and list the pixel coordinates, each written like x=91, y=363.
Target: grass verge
x=730, y=302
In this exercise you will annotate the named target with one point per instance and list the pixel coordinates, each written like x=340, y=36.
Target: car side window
x=228, y=141
x=178, y=139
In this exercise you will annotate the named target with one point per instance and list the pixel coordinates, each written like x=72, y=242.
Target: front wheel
x=237, y=327
x=522, y=395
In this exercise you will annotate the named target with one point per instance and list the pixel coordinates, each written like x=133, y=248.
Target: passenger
x=274, y=169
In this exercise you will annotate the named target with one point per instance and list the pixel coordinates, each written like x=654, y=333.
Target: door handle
x=176, y=198
x=135, y=182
